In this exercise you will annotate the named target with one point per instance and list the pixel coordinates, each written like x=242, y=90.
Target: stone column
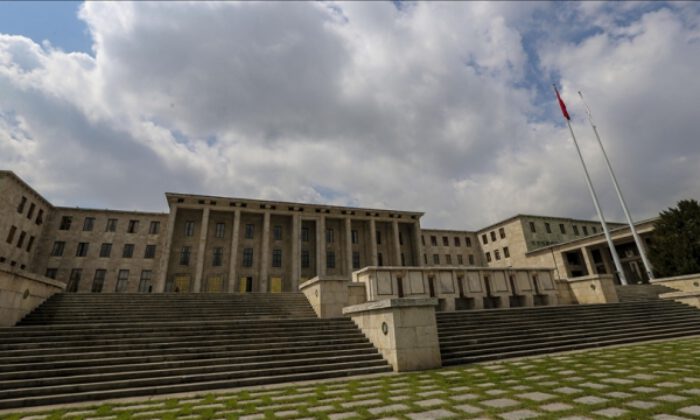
x=373, y=240
x=348, y=245
x=417, y=245
x=588, y=260
x=397, y=243
x=265, y=252
x=296, y=252
x=165, y=255
x=201, y=249
x=321, y=246
x=233, y=259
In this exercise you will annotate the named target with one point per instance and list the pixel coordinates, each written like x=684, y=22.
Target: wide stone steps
x=473, y=336
x=87, y=347
x=641, y=292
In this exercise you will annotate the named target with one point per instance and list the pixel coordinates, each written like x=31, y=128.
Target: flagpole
x=616, y=258
x=637, y=239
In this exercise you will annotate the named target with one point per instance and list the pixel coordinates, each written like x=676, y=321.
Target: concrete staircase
x=637, y=292
x=78, y=347
x=474, y=336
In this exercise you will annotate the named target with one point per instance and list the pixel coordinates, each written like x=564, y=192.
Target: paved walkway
x=658, y=380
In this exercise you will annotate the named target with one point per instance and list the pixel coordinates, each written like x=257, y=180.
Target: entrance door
x=276, y=284
x=215, y=284
x=246, y=285
x=182, y=283
x=431, y=286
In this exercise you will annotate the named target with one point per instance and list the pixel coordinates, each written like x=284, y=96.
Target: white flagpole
x=637, y=239
x=616, y=258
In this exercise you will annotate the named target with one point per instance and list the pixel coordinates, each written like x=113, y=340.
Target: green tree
x=675, y=246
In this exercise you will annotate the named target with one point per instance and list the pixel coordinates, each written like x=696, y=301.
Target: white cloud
x=435, y=106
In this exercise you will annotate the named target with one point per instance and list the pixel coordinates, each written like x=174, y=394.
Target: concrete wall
x=594, y=289
x=687, y=283
x=21, y=292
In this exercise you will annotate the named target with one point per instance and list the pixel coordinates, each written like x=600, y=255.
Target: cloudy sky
x=445, y=108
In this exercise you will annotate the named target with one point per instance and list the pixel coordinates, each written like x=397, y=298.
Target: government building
x=236, y=245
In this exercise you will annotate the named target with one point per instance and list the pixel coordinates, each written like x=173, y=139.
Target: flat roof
x=535, y=216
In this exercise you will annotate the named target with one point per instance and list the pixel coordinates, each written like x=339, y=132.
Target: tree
x=675, y=246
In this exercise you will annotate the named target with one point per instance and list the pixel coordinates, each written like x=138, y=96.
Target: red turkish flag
x=562, y=105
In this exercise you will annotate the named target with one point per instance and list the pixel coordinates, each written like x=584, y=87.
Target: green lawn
x=631, y=382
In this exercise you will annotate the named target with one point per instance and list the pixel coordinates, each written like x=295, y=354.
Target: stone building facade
x=226, y=244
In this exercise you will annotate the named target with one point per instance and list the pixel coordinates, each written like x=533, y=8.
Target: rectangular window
x=330, y=236
x=82, y=249
x=105, y=250
x=330, y=259
x=57, y=250
x=448, y=259
x=111, y=225
x=218, y=257
x=88, y=224
x=532, y=227
x=460, y=259
x=471, y=259
x=277, y=258
x=585, y=230
x=185, y=255
x=595, y=230
x=51, y=273
x=74, y=280
x=98, y=281
x=355, y=236
x=249, y=231
x=133, y=226
x=400, y=239
x=122, y=281
x=277, y=232
x=493, y=236
x=150, y=251
x=128, y=251
x=11, y=234
x=484, y=239
x=40, y=217
x=30, y=213
x=247, y=257
x=305, y=259
x=154, y=228
x=20, y=242
x=575, y=228
x=379, y=237
x=30, y=243
x=502, y=233
x=355, y=260
x=380, y=259
x=422, y=240
x=497, y=254
x=547, y=228
x=22, y=202
x=220, y=230
x=562, y=228
x=305, y=234
x=488, y=257
x=145, y=285
x=457, y=241
x=189, y=228
x=433, y=240
x=506, y=252
x=436, y=259
x=65, y=223
x=445, y=241
x=468, y=242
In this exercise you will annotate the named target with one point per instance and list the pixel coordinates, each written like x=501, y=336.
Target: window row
x=446, y=241
x=30, y=212
x=20, y=239
x=110, y=225
x=501, y=235
x=82, y=248
x=497, y=254
x=562, y=228
x=448, y=259
x=99, y=278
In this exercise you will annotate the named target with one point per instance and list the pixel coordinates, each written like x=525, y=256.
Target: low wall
x=599, y=288
x=687, y=283
x=21, y=292
x=328, y=295
x=689, y=298
x=566, y=296
x=403, y=330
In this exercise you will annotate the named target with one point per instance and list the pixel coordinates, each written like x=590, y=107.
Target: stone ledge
x=675, y=295
x=35, y=277
x=588, y=278
x=389, y=303
x=683, y=277
x=314, y=280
